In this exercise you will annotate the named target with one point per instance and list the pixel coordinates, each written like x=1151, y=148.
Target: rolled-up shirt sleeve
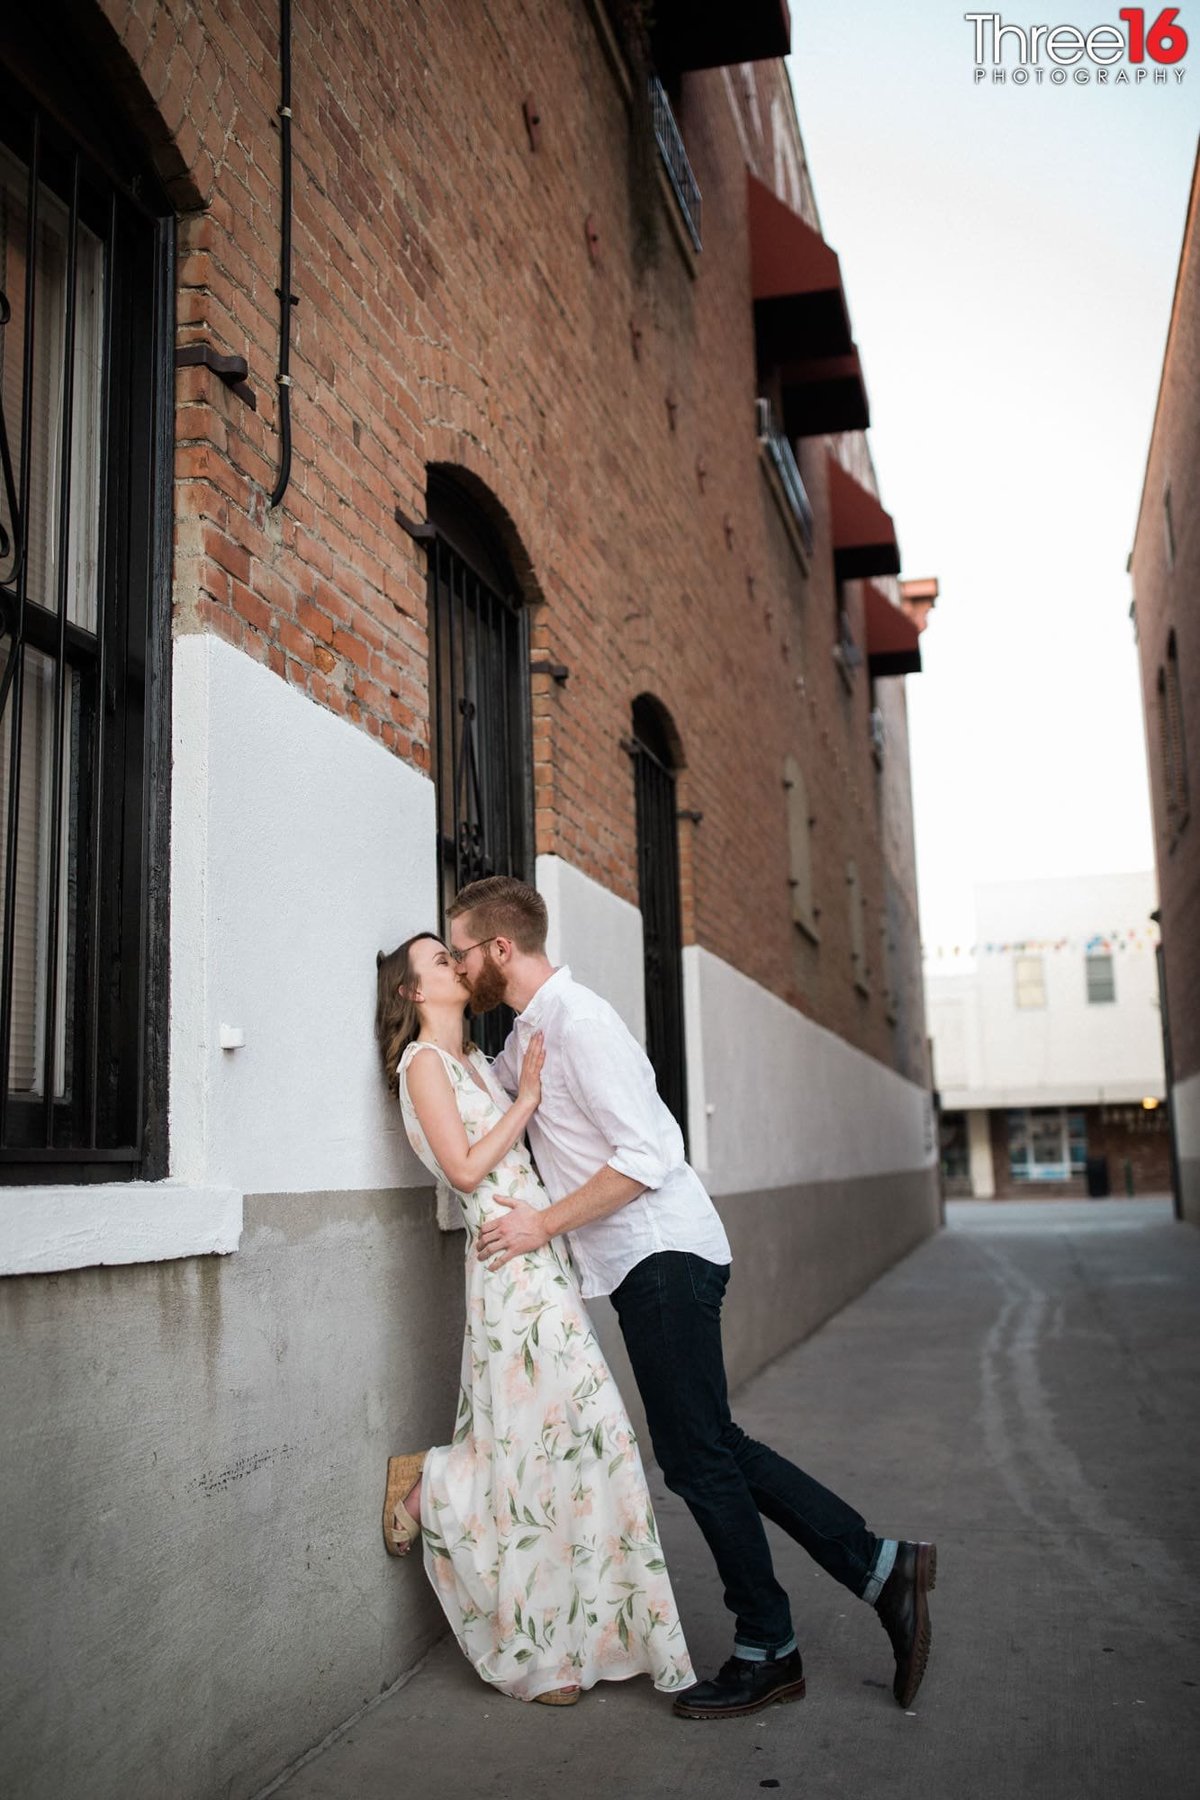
x=613, y=1084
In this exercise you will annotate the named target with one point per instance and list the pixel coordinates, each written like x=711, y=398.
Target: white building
x=1047, y=1048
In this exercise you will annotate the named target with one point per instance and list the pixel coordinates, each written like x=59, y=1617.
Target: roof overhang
x=796, y=283
x=892, y=647
x=824, y=395
x=864, y=537
x=712, y=34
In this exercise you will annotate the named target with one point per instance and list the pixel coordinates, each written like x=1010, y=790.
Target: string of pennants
x=1134, y=937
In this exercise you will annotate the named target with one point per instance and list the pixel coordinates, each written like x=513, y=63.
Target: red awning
x=712, y=34
x=864, y=537
x=796, y=283
x=892, y=647
x=825, y=394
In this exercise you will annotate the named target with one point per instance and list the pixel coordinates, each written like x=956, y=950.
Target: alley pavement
x=1023, y=1389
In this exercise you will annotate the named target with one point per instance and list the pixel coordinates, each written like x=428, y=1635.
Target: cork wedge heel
x=400, y=1529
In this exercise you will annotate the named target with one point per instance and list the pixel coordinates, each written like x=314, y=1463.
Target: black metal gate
x=479, y=649
x=658, y=897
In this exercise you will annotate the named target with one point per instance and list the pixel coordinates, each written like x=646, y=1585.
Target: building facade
x=1165, y=567
x=436, y=448
x=1047, y=1048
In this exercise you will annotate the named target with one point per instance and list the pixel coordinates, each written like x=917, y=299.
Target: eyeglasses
x=460, y=956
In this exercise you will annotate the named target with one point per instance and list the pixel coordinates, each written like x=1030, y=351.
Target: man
x=643, y=1229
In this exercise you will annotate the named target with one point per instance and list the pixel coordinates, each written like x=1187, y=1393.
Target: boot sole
x=682, y=1710
x=926, y=1582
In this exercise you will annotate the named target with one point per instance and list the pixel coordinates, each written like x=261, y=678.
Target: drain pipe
x=286, y=297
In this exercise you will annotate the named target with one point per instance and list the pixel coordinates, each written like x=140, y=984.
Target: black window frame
x=479, y=643
x=660, y=901
x=111, y=1124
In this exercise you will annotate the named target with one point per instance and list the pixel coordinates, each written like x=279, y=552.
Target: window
x=1030, y=981
x=675, y=160
x=787, y=483
x=846, y=653
x=84, y=273
x=1172, y=748
x=1168, y=528
x=1101, y=980
x=799, y=824
x=479, y=696
x=1046, y=1143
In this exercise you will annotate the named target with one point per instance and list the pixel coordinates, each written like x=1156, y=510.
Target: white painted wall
x=773, y=1100
x=300, y=847
x=787, y=1101
x=989, y=1052
x=598, y=934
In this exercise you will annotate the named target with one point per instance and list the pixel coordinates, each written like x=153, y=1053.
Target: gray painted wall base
x=195, y=1586
x=1189, y=1189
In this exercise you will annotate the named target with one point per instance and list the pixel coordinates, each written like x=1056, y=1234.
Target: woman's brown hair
x=396, y=1021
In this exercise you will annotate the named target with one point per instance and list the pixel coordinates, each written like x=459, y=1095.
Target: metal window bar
x=71, y=944
x=658, y=899
x=481, y=736
x=675, y=159
x=50, y=1053
x=14, y=618
x=786, y=467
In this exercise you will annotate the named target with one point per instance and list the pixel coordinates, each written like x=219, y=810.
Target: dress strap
x=417, y=1044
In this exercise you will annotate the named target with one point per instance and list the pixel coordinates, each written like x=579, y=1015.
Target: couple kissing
x=536, y=1526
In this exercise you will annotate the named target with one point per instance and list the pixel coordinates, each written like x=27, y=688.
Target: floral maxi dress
x=538, y=1533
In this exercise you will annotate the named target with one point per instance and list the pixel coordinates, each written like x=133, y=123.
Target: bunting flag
x=1133, y=937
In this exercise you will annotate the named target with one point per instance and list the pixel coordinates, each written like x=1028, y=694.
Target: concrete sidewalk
x=1024, y=1389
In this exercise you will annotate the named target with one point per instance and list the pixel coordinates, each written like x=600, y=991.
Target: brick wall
x=450, y=311
x=1165, y=597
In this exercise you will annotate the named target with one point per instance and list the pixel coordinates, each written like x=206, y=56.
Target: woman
x=538, y=1532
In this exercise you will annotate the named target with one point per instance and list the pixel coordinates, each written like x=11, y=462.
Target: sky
x=1009, y=256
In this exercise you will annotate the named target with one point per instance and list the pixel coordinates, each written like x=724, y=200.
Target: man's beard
x=487, y=989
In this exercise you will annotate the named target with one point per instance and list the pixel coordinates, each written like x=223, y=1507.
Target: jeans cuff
x=760, y=1653
x=881, y=1568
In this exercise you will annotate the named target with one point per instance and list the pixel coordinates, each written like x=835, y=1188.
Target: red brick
x=449, y=312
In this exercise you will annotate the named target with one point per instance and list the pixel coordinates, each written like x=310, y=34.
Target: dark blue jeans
x=669, y=1308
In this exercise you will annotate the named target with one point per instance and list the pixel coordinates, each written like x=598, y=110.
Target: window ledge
x=683, y=242
x=44, y=1229
x=803, y=554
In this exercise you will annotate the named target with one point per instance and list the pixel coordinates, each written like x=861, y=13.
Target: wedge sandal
x=400, y=1529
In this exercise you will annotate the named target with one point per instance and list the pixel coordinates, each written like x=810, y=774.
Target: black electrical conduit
x=286, y=297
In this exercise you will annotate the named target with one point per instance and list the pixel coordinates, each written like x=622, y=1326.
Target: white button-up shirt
x=600, y=1105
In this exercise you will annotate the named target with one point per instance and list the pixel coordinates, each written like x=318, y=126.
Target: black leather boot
x=904, y=1613
x=743, y=1687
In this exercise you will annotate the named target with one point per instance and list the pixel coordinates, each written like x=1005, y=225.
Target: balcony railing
x=675, y=159
x=784, y=460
